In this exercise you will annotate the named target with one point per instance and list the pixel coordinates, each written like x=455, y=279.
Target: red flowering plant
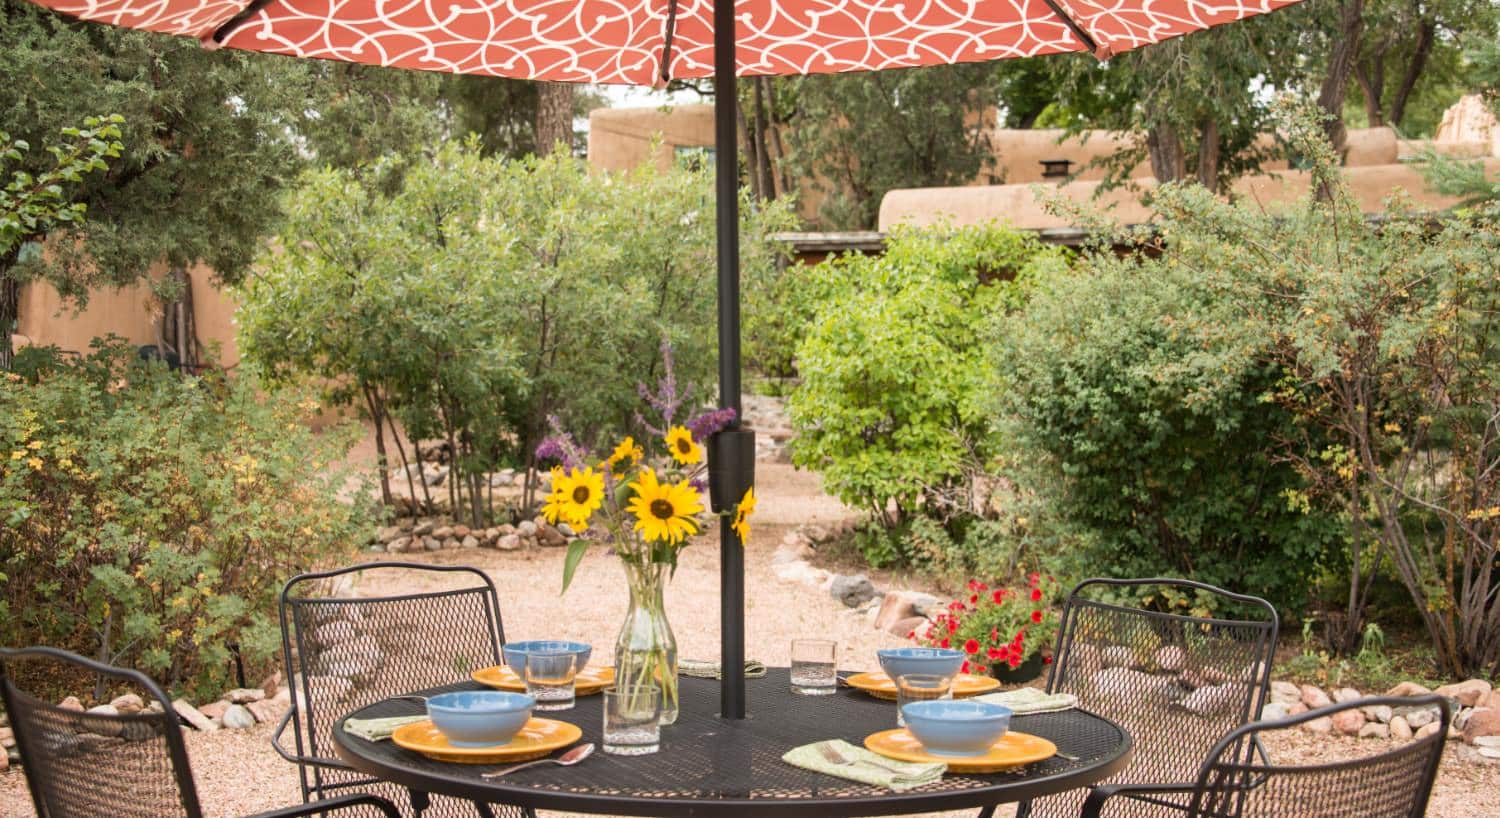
x=998, y=627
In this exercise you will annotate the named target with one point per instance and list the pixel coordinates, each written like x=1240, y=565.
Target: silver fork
x=831, y=751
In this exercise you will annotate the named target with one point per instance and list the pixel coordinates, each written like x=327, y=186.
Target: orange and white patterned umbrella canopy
x=628, y=41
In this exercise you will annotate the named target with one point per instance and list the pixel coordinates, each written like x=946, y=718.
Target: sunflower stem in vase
x=646, y=650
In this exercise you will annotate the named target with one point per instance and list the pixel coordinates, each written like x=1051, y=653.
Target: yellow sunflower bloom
x=574, y=497
x=664, y=511
x=742, y=512
x=627, y=450
x=680, y=444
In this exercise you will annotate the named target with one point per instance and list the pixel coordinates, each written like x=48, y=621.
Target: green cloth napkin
x=706, y=669
x=868, y=767
x=1029, y=700
x=378, y=729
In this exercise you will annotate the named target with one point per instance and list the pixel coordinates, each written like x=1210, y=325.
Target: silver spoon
x=567, y=759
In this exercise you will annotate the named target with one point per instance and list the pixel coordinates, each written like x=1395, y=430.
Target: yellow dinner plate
x=1012, y=750
x=880, y=686
x=591, y=679
x=538, y=738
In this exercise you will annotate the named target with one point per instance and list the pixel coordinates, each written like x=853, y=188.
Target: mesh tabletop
x=711, y=765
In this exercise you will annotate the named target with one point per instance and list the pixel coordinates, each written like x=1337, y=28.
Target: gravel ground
x=238, y=773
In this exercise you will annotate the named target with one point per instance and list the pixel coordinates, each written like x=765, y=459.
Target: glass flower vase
x=646, y=650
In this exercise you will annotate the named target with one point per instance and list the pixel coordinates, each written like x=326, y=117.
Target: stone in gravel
x=1485, y=722
x=461, y=531
x=1418, y=717
x=271, y=684
x=817, y=533
x=193, y=716
x=1117, y=656
x=508, y=542
x=244, y=695
x=266, y=711
x=1408, y=689
x=1322, y=726
x=906, y=628
x=215, y=710
x=442, y=532
x=527, y=528
x=128, y=703
x=4, y=762
x=1378, y=712
x=1467, y=693
x=1348, y=722
x=1207, y=701
x=326, y=688
x=7, y=737
x=853, y=590
x=1273, y=711
x=1296, y=709
x=1491, y=701
x=1314, y=697
x=1400, y=729
x=927, y=605
x=422, y=529
x=71, y=703
x=1428, y=730
x=1170, y=658
x=432, y=543
x=1285, y=692
x=398, y=545
x=1487, y=741
x=388, y=533
x=104, y=726
x=1375, y=729
x=895, y=607
x=1462, y=717
x=1345, y=694
x=469, y=541
x=550, y=537
x=451, y=543
x=335, y=633
x=792, y=553
x=238, y=718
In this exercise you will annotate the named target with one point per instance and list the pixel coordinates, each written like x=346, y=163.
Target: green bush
x=892, y=408
x=1133, y=394
x=149, y=518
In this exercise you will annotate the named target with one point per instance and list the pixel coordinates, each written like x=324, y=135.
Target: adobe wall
x=128, y=312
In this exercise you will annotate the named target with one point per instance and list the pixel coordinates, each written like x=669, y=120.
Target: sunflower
x=742, y=512
x=680, y=443
x=627, y=450
x=574, y=497
x=664, y=511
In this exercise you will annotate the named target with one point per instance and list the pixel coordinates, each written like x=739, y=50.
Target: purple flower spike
x=709, y=423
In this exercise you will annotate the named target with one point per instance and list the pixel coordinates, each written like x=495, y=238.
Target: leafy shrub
x=1136, y=393
x=892, y=408
x=150, y=518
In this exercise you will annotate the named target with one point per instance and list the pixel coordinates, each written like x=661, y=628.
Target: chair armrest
x=330, y=763
x=333, y=805
x=1094, y=804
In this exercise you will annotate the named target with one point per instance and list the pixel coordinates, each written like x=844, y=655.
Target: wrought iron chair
x=84, y=765
x=1385, y=784
x=342, y=653
x=1178, y=683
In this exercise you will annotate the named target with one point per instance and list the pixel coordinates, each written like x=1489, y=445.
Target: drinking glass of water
x=814, y=667
x=632, y=720
x=920, y=687
x=550, y=678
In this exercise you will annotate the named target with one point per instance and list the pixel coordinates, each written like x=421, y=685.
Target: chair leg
x=420, y=801
x=987, y=812
x=483, y=810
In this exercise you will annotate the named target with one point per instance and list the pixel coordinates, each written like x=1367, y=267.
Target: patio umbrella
x=647, y=42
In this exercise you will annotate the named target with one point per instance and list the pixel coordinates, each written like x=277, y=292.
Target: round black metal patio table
x=708, y=765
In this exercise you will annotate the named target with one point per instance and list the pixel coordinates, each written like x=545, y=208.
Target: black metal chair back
x=342, y=653
x=1178, y=683
x=86, y=765
x=1387, y=783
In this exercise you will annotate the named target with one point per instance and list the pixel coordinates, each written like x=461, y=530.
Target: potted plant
x=1007, y=632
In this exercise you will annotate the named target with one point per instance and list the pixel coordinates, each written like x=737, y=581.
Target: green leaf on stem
x=576, y=549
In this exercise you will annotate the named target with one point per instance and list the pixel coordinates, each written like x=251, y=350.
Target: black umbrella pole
x=727, y=180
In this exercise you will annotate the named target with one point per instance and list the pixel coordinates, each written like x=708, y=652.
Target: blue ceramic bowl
x=479, y=718
x=936, y=661
x=956, y=727
x=515, y=652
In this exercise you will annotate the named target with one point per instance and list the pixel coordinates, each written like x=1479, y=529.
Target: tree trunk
x=377, y=417
x=1414, y=69
x=1371, y=79
x=554, y=116
x=1340, y=67
x=10, y=313
x=762, y=150
x=1208, y=154
x=1168, y=163
x=751, y=160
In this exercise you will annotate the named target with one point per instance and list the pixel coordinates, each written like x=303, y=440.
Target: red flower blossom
x=952, y=626
x=971, y=647
x=994, y=634
x=982, y=587
x=1046, y=660
x=1036, y=594
x=994, y=653
x=944, y=643
x=965, y=668
x=973, y=599
x=911, y=634
x=1036, y=616
x=1033, y=579
x=999, y=596
x=981, y=669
